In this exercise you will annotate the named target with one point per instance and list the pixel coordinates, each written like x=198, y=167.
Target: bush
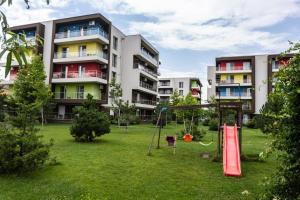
x=21, y=152
x=198, y=134
x=213, y=125
x=89, y=122
x=251, y=123
x=206, y=122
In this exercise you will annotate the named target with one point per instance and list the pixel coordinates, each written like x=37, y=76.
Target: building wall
x=91, y=47
x=261, y=81
x=47, y=50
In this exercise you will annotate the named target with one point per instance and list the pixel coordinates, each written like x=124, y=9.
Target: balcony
x=145, y=101
x=147, y=70
x=164, y=84
x=79, y=57
x=75, y=77
x=246, y=82
x=235, y=95
x=147, y=87
x=91, y=34
x=246, y=107
x=232, y=70
x=165, y=93
x=76, y=96
x=145, y=56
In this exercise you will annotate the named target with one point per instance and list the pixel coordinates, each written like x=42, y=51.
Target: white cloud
x=207, y=24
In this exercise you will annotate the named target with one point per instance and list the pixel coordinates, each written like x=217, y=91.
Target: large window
x=181, y=92
x=115, y=43
x=180, y=84
x=114, y=60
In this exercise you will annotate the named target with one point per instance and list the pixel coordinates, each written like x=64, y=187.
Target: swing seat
x=170, y=140
x=187, y=137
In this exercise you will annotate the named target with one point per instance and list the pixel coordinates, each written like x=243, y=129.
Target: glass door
x=62, y=93
x=80, y=92
x=82, y=50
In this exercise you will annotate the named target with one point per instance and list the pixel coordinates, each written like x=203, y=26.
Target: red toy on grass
x=187, y=137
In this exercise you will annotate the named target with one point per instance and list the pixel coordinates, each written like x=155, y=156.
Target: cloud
x=229, y=25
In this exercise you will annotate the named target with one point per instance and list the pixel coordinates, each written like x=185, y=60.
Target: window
x=114, y=60
x=180, y=84
x=181, y=92
x=115, y=43
x=114, y=75
x=62, y=92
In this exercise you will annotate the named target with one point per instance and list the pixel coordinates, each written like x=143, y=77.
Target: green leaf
x=17, y=55
x=8, y=63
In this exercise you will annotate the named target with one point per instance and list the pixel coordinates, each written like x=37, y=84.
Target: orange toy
x=187, y=137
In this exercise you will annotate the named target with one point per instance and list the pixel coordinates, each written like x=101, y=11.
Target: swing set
x=225, y=133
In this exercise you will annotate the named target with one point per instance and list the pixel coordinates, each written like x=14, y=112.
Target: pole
x=159, y=131
x=153, y=136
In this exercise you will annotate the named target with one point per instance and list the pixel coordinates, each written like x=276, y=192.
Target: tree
x=116, y=97
x=30, y=94
x=89, y=122
x=15, y=45
x=175, y=98
x=285, y=129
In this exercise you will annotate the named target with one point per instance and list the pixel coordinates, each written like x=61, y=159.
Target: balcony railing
x=164, y=84
x=236, y=94
x=148, y=86
x=80, y=54
x=147, y=70
x=75, y=95
x=165, y=92
x=149, y=56
x=87, y=74
x=145, y=101
x=78, y=33
x=224, y=69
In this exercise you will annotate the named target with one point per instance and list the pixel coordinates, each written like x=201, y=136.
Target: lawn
x=116, y=167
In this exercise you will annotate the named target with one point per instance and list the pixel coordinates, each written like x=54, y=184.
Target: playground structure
x=229, y=137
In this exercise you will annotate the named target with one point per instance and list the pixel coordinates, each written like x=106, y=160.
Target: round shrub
x=89, y=122
x=213, y=125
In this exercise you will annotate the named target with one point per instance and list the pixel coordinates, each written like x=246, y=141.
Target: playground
x=116, y=166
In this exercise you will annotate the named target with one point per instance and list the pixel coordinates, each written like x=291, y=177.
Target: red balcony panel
x=195, y=92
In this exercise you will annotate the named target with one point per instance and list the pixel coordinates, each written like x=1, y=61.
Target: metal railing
x=165, y=92
x=224, y=69
x=236, y=94
x=164, y=84
x=75, y=95
x=86, y=74
x=78, y=33
x=145, y=101
x=148, y=86
x=80, y=54
x=147, y=70
x=246, y=107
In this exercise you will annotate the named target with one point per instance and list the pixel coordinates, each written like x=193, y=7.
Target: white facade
x=183, y=85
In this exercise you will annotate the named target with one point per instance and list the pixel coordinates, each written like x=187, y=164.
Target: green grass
x=116, y=167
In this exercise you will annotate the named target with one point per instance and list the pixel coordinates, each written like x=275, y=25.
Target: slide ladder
x=231, y=152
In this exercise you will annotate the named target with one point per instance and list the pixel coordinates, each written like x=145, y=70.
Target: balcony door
x=83, y=30
x=63, y=91
x=64, y=72
x=66, y=32
x=82, y=50
x=81, y=71
x=65, y=51
x=80, y=92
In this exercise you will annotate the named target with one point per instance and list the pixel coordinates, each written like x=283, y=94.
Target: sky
x=189, y=34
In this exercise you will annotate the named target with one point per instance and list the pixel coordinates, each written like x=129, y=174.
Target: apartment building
x=183, y=85
x=244, y=78
x=83, y=54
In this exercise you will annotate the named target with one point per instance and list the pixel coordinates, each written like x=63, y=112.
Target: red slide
x=231, y=152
